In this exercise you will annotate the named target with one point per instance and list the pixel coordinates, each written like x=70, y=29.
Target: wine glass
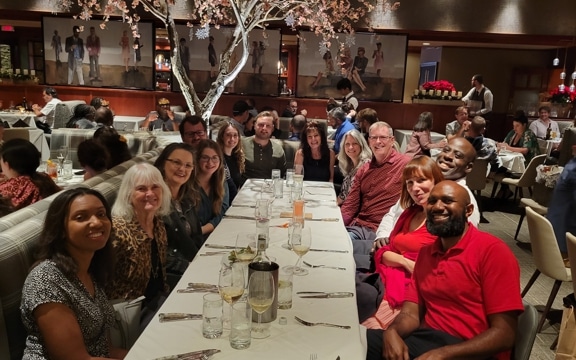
x=298, y=173
x=300, y=242
x=260, y=298
x=245, y=251
x=62, y=154
x=231, y=282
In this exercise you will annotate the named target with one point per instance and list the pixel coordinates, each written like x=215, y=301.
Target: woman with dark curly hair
x=24, y=186
x=211, y=196
x=176, y=164
x=229, y=141
x=314, y=154
x=115, y=144
x=64, y=307
x=93, y=158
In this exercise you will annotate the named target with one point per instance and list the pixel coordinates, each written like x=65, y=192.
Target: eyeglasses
x=381, y=138
x=178, y=164
x=195, y=133
x=165, y=106
x=214, y=159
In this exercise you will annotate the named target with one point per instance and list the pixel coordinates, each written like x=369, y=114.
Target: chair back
x=542, y=194
x=476, y=179
x=545, y=250
x=525, y=332
x=568, y=139
x=571, y=244
x=16, y=133
x=63, y=112
x=528, y=178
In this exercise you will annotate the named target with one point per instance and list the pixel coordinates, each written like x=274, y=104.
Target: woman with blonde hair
x=211, y=198
x=356, y=153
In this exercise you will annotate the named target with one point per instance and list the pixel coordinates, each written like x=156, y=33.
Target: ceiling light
x=426, y=43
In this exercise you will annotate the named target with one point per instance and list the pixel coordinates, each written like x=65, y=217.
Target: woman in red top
x=23, y=185
x=395, y=262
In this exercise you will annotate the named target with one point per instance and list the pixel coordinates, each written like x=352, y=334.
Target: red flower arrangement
x=442, y=85
x=562, y=97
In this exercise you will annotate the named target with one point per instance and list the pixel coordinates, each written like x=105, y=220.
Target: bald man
x=464, y=298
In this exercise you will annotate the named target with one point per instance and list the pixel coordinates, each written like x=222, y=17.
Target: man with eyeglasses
x=162, y=118
x=263, y=154
x=377, y=185
x=193, y=129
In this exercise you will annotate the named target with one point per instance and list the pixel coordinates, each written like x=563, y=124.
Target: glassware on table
x=285, y=288
x=212, y=326
x=245, y=251
x=289, y=177
x=52, y=169
x=62, y=154
x=231, y=283
x=300, y=243
x=260, y=297
x=298, y=173
x=240, y=326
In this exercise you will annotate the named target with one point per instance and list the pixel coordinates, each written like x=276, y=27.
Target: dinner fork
x=313, y=356
x=308, y=323
x=323, y=266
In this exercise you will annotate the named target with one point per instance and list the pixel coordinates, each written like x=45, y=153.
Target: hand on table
x=394, y=347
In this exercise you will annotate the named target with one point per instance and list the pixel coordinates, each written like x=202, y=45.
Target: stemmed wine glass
x=260, y=298
x=300, y=242
x=62, y=154
x=231, y=282
x=245, y=251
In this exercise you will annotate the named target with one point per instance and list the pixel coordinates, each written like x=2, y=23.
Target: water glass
x=278, y=188
x=67, y=173
x=212, y=324
x=289, y=177
x=241, y=325
x=297, y=191
x=285, y=287
x=276, y=173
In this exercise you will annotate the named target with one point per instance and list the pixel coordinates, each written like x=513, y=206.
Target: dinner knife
x=324, y=295
x=217, y=246
x=328, y=250
x=166, y=317
x=194, y=355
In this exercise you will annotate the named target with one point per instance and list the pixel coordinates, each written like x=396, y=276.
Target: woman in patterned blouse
x=139, y=236
x=24, y=186
x=356, y=153
x=64, y=307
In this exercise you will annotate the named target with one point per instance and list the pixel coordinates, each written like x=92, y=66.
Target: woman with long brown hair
x=318, y=159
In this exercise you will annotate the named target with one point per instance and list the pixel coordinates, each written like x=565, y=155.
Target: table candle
x=460, y=94
x=431, y=92
x=25, y=71
x=445, y=93
x=33, y=72
x=416, y=92
x=438, y=92
x=17, y=71
x=453, y=93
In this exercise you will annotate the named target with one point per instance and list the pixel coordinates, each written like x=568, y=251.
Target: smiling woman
x=314, y=154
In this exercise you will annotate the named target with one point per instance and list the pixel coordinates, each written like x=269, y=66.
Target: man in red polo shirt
x=464, y=299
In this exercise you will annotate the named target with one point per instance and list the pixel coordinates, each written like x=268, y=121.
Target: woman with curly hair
x=64, y=307
x=211, y=198
x=355, y=153
x=24, y=185
x=229, y=141
x=314, y=154
x=115, y=144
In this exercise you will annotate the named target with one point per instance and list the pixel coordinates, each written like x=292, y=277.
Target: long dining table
x=330, y=246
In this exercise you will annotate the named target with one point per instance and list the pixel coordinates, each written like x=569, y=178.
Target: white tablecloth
x=546, y=146
x=512, y=161
x=13, y=117
x=127, y=122
x=291, y=341
x=403, y=137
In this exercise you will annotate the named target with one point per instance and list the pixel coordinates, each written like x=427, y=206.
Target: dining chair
x=541, y=196
x=527, y=179
x=547, y=258
x=63, y=112
x=476, y=180
x=571, y=244
x=525, y=333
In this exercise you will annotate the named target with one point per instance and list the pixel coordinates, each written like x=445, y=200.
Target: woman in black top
x=314, y=154
x=229, y=141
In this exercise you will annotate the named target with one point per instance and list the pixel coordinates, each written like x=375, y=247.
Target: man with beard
x=162, y=118
x=464, y=298
x=263, y=154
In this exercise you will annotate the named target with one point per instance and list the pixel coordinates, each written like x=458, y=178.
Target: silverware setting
x=328, y=250
x=211, y=253
x=313, y=356
x=198, y=288
x=166, y=317
x=194, y=355
x=324, y=295
x=308, y=323
x=216, y=246
x=323, y=266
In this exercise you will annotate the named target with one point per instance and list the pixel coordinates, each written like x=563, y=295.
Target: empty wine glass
x=298, y=173
x=62, y=154
x=260, y=297
x=231, y=282
x=300, y=242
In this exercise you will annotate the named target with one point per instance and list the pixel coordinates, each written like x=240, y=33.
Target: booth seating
x=19, y=233
x=63, y=112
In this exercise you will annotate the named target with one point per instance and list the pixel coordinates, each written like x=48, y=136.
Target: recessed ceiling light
x=426, y=43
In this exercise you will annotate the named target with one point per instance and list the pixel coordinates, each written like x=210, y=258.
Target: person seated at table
x=93, y=157
x=356, y=153
x=276, y=133
x=460, y=126
x=314, y=154
x=45, y=114
x=485, y=147
x=365, y=118
x=420, y=141
x=339, y=121
x=211, y=196
x=296, y=126
x=475, y=319
x=395, y=261
x=115, y=144
x=139, y=240
x=64, y=307
x=521, y=139
x=23, y=185
x=176, y=164
x=229, y=141
x=98, y=102
x=83, y=117
x=540, y=126
x=104, y=117
x=161, y=119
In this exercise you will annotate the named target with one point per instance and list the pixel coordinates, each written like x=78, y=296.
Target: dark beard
x=454, y=227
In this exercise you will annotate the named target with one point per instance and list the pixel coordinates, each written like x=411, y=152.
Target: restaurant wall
x=412, y=75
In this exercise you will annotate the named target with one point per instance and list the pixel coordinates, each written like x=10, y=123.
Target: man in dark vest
x=479, y=93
